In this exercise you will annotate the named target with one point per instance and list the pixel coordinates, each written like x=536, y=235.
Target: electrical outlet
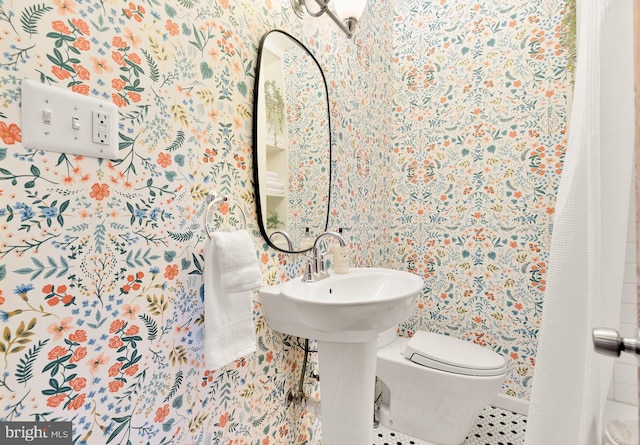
x=59, y=120
x=101, y=124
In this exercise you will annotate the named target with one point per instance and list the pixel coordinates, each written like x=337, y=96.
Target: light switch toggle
x=57, y=119
x=46, y=116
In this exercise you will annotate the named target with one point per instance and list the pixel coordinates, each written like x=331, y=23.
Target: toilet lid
x=452, y=354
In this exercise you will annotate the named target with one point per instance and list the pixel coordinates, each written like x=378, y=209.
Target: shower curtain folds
x=586, y=262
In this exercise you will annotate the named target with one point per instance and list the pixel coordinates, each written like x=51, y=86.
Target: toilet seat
x=451, y=354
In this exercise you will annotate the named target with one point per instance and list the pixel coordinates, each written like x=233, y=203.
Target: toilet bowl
x=434, y=386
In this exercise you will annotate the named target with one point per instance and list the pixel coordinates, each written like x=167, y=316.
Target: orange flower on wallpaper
x=132, y=38
x=115, y=385
x=115, y=343
x=95, y=363
x=80, y=88
x=10, y=134
x=65, y=6
x=78, y=354
x=99, y=191
x=78, y=383
x=118, y=58
x=82, y=72
x=56, y=353
x=82, y=44
x=135, y=97
x=100, y=65
x=60, y=73
x=209, y=155
x=118, y=84
x=79, y=336
x=116, y=325
x=77, y=402
x=133, y=57
x=161, y=413
x=56, y=400
x=130, y=311
x=59, y=329
x=164, y=160
x=60, y=26
x=81, y=26
x=172, y=27
x=119, y=101
x=224, y=419
x=117, y=42
x=134, y=11
x=171, y=271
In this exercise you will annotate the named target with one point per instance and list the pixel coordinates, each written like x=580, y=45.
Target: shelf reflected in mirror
x=292, y=143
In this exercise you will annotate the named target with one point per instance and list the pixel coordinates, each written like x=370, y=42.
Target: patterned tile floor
x=494, y=426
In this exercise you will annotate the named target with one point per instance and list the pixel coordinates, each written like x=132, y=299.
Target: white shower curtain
x=586, y=263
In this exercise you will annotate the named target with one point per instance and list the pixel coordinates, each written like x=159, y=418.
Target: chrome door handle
x=608, y=342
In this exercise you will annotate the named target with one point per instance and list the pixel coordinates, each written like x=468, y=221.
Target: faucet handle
x=322, y=264
x=307, y=276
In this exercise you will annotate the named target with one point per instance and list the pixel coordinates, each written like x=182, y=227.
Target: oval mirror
x=291, y=144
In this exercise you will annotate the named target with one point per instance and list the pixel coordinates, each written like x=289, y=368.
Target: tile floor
x=494, y=426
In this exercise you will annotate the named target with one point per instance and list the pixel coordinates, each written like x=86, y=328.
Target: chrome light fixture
x=347, y=14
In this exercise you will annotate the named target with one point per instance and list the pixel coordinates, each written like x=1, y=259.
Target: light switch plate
x=59, y=120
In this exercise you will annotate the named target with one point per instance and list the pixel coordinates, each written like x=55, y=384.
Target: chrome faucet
x=317, y=267
x=286, y=236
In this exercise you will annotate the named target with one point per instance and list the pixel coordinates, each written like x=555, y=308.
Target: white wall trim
x=510, y=403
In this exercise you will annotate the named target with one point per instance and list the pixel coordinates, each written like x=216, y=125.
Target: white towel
x=272, y=174
x=275, y=192
x=274, y=184
x=229, y=331
x=239, y=267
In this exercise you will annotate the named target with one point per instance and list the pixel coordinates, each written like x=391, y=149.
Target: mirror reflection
x=292, y=144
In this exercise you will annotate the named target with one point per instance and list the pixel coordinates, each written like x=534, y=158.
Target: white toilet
x=434, y=386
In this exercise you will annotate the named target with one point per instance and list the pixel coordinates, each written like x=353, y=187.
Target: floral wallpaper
x=480, y=107
x=307, y=108
x=101, y=293
x=447, y=148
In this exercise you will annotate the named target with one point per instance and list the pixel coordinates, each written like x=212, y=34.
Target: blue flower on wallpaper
x=451, y=176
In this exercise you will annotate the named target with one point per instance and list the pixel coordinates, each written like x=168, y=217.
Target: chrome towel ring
x=213, y=200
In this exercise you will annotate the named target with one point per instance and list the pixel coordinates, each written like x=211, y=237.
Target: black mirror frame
x=256, y=181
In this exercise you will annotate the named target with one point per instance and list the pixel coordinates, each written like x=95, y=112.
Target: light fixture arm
x=300, y=8
x=347, y=28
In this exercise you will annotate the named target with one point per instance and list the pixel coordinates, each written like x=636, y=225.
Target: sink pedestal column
x=347, y=385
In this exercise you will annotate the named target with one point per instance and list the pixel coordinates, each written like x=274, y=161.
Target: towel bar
x=211, y=200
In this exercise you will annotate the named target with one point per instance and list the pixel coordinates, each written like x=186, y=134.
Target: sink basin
x=344, y=313
x=347, y=308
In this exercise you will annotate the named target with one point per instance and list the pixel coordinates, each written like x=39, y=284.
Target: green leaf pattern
x=447, y=147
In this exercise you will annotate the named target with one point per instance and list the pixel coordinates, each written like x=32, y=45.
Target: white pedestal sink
x=344, y=313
